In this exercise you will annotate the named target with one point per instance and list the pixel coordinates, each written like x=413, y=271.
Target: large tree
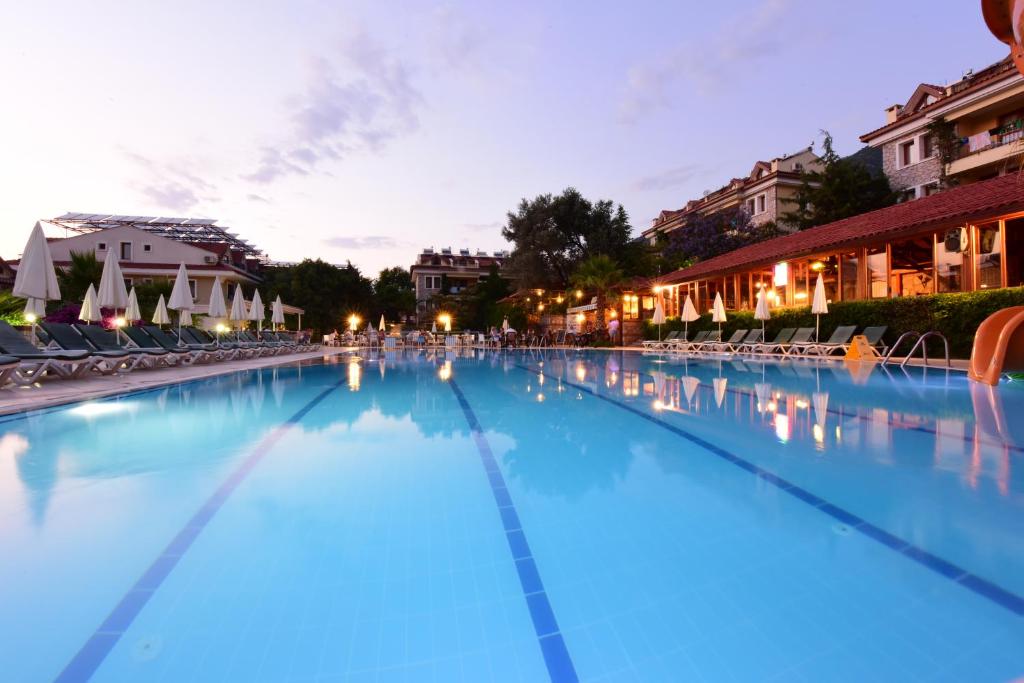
x=395, y=297
x=328, y=293
x=83, y=270
x=842, y=188
x=706, y=236
x=554, y=234
x=602, y=276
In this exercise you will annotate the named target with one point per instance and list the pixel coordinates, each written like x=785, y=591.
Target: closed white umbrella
x=447, y=324
x=718, y=311
x=35, y=307
x=160, y=316
x=761, y=311
x=181, y=298
x=36, y=279
x=131, y=310
x=381, y=325
x=819, y=306
x=112, y=292
x=237, y=314
x=90, y=311
x=256, y=310
x=659, y=317
x=433, y=327
x=218, y=308
x=504, y=324
x=184, y=318
x=689, y=315
x=277, y=311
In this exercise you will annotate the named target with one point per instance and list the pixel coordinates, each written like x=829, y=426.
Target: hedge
x=957, y=316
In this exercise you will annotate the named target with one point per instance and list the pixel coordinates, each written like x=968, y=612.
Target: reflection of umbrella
x=761, y=311
x=131, y=310
x=763, y=391
x=690, y=385
x=160, y=316
x=820, y=401
x=718, y=311
x=659, y=383
x=181, y=297
x=819, y=306
x=689, y=315
x=90, y=311
x=659, y=317
x=720, y=384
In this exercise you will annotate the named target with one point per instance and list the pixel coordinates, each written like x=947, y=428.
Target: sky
x=366, y=131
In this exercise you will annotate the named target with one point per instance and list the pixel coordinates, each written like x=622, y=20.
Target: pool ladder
x=920, y=343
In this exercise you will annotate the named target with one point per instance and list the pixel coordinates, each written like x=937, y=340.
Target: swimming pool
x=596, y=516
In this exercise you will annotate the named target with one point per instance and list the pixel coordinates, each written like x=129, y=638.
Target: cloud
x=707, y=65
x=363, y=242
x=456, y=42
x=673, y=177
x=481, y=227
x=358, y=100
x=171, y=184
x=257, y=198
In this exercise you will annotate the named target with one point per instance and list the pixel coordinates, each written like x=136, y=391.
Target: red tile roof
x=947, y=209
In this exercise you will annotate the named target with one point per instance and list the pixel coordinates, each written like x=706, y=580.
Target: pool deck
x=58, y=391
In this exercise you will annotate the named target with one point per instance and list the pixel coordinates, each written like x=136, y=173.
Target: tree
x=843, y=188
x=552, y=235
x=395, y=297
x=328, y=294
x=83, y=271
x=947, y=145
x=601, y=275
x=706, y=236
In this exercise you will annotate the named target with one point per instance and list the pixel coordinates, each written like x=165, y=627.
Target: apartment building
x=766, y=193
x=448, y=272
x=986, y=111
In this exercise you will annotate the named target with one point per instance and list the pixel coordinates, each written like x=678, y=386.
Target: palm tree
x=84, y=270
x=601, y=275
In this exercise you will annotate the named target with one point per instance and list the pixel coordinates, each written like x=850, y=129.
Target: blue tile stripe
x=980, y=586
x=552, y=644
x=91, y=655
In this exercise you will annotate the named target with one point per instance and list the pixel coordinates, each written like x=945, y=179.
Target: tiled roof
x=946, y=209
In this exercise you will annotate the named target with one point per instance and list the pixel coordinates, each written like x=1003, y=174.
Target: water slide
x=998, y=346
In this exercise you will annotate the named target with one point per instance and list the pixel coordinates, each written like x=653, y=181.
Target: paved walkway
x=57, y=391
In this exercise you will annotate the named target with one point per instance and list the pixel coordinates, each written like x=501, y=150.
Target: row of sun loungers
x=79, y=350
x=789, y=341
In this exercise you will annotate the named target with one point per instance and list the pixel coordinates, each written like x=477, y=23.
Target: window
x=147, y=248
x=949, y=260
x=128, y=282
x=630, y=307
x=147, y=280
x=929, y=189
x=762, y=201
x=828, y=268
x=851, y=274
x=751, y=207
x=126, y=251
x=906, y=153
x=432, y=282
x=878, y=275
x=192, y=289
x=798, y=167
x=927, y=147
x=1014, y=252
x=988, y=257
x=911, y=267
x=729, y=292
x=101, y=246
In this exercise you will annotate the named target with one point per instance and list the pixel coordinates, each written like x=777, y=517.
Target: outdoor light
x=801, y=295
x=781, y=274
x=353, y=322
x=580, y=318
x=579, y=293
x=120, y=322
x=657, y=289
x=31, y=318
x=540, y=292
x=222, y=328
x=613, y=314
x=540, y=307
x=558, y=299
x=817, y=265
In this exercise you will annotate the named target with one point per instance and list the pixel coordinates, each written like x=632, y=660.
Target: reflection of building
x=987, y=110
x=965, y=239
x=446, y=272
x=764, y=193
x=150, y=250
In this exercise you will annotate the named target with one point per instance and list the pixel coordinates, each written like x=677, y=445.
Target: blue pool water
x=492, y=516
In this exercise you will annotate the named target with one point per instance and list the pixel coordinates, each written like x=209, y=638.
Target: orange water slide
x=998, y=346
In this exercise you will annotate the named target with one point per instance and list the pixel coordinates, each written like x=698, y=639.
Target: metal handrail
x=924, y=347
x=899, y=341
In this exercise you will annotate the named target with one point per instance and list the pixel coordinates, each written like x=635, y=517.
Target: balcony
x=1003, y=145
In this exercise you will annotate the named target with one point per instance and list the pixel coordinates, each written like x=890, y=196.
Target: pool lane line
x=980, y=586
x=91, y=655
x=552, y=644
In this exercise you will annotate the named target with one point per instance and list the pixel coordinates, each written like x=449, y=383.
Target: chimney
x=892, y=113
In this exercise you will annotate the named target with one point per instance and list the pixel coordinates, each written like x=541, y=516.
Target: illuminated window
x=630, y=307
x=988, y=257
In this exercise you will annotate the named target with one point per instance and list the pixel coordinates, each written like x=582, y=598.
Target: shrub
x=957, y=316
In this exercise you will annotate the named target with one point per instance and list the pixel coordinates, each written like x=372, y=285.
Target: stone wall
x=912, y=176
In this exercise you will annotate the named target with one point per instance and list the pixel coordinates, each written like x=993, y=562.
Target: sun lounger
x=142, y=340
x=37, y=363
x=108, y=362
x=802, y=336
x=840, y=336
x=753, y=337
x=105, y=340
x=170, y=342
x=680, y=344
x=8, y=369
x=661, y=343
x=783, y=337
x=718, y=346
x=841, y=342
